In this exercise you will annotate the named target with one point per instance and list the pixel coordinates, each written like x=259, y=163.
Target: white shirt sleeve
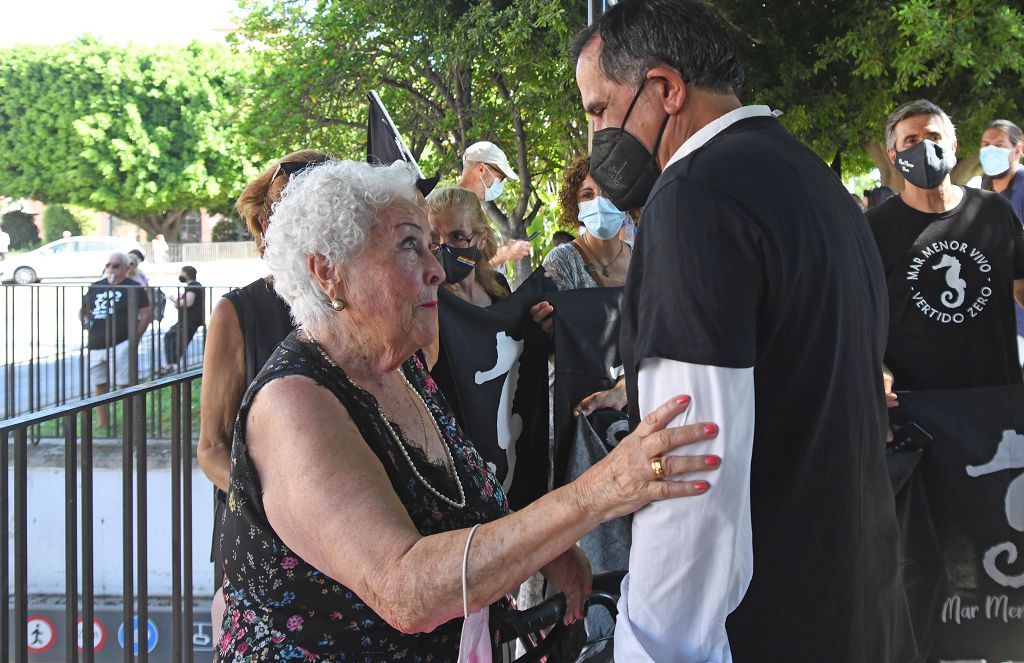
x=691, y=560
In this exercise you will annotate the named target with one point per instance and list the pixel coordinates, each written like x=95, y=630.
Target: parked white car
x=70, y=257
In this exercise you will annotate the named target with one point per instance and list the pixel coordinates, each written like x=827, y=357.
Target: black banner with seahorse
x=962, y=517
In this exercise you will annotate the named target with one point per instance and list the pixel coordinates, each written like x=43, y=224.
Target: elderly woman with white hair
x=353, y=494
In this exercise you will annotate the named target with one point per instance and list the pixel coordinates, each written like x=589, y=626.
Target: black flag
x=384, y=145
x=969, y=510
x=492, y=369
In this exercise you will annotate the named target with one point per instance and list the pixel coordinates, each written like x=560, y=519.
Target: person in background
x=191, y=305
x=875, y=197
x=354, y=496
x=244, y=328
x=135, y=257
x=1002, y=144
x=485, y=169
x=5, y=244
x=160, y=248
x=560, y=237
x=954, y=263
x=598, y=258
x=464, y=242
x=105, y=313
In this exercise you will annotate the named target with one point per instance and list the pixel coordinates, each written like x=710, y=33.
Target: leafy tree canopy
x=56, y=220
x=143, y=133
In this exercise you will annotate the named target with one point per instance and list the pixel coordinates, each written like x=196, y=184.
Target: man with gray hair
x=954, y=263
x=106, y=312
x=754, y=278
x=1002, y=144
x=485, y=169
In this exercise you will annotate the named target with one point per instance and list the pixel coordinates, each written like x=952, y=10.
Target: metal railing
x=44, y=350
x=79, y=447
x=200, y=252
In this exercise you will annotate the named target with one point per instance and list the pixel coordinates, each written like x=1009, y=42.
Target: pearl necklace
x=398, y=440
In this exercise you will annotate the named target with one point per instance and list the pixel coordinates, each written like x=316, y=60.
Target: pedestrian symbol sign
x=152, y=635
x=41, y=634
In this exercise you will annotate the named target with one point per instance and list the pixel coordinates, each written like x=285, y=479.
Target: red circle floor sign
x=41, y=634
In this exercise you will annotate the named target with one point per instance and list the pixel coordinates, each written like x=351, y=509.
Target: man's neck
x=470, y=182
x=703, y=109
x=1000, y=183
x=942, y=198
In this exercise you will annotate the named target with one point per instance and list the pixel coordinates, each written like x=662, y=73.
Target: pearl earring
x=337, y=304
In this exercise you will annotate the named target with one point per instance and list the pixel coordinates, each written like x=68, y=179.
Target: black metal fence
x=76, y=423
x=45, y=358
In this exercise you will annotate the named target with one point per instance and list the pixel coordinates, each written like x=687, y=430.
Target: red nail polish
x=712, y=461
x=701, y=486
x=711, y=429
x=683, y=400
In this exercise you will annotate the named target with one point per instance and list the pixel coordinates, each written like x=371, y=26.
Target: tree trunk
x=167, y=224
x=966, y=168
x=889, y=175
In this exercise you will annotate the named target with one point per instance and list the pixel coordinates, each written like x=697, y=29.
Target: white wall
x=46, y=531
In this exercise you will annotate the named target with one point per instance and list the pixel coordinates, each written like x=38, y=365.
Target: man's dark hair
x=561, y=237
x=190, y=272
x=1012, y=131
x=684, y=34
x=137, y=254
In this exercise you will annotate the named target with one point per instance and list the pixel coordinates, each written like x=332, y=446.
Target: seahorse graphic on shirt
x=954, y=297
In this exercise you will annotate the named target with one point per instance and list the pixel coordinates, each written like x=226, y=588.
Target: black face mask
x=182, y=279
x=457, y=263
x=925, y=165
x=620, y=164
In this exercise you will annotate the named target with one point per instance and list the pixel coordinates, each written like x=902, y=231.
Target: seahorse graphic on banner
x=510, y=424
x=1009, y=456
x=954, y=297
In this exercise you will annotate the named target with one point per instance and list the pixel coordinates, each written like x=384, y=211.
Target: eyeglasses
x=456, y=241
x=113, y=265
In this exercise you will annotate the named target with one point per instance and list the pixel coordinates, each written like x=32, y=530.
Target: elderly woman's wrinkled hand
x=640, y=470
x=570, y=572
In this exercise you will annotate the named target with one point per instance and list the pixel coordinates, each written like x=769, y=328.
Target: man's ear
x=891, y=153
x=669, y=86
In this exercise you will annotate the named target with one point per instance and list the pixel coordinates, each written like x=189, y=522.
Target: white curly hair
x=327, y=209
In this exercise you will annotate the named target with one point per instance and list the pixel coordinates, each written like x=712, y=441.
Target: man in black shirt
x=756, y=289
x=191, y=305
x=106, y=312
x=954, y=260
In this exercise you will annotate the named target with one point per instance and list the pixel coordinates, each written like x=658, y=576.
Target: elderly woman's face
x=393, y=283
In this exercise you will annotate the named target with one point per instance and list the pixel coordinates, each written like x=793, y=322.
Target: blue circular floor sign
x=152, y=635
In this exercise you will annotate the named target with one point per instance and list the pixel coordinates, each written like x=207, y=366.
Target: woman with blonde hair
x=464, y=242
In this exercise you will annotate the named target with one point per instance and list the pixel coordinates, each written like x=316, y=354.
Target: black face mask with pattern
x=620, y=164
x=457, y=263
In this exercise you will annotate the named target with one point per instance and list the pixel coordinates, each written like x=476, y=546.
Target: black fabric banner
x=492, y=368
x=586, y=341
x=962, y=521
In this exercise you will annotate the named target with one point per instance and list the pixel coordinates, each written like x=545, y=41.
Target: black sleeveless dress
x=281, y=608
x=265, y=321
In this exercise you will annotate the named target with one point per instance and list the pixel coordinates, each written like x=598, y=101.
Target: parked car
x=70, y=257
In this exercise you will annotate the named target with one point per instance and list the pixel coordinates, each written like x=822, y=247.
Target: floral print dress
x=281, y=608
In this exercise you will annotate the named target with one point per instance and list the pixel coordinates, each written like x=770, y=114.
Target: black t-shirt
x=106, y=307
x=194, y=316
x=752, y=254
x=950, y=278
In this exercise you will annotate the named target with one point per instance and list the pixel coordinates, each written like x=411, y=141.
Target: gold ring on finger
x=659, y=468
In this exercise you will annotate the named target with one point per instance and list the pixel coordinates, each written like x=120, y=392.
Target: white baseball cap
x=489, y=153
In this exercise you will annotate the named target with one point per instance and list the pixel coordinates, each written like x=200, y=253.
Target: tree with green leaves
x=56, y=221
x=146, y=134
x=837, y=68
x=451, y=73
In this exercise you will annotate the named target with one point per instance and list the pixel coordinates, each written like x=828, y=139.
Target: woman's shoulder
x=563, y=253
x=564, y=265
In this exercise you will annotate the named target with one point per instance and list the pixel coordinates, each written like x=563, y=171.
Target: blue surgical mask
x=601, y=218
x=995, y=160
x=495, y=189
